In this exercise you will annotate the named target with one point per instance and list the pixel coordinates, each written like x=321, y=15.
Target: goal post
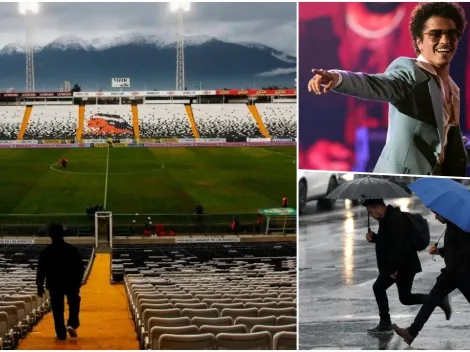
x=103, y=228
x=280, y=220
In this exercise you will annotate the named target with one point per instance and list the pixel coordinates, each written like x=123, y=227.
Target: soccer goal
x=103, y=228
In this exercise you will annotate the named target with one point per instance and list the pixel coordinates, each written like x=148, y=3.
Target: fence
x=135, y=224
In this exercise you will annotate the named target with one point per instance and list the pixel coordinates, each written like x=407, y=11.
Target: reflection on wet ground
x=337, y=268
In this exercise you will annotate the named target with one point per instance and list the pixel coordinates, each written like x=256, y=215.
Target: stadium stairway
x=81, y=119
x=135, y=121
x=24, y=124
x=106, y=322
x=254, y=111
x=189, y=111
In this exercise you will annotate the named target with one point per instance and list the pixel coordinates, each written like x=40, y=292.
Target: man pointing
x=424, y=135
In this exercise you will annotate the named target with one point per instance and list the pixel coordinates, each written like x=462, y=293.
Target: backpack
x=419, y=236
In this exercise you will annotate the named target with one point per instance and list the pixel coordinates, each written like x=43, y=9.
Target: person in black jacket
x=455, y=275
x=397, y=261
x=61, y=265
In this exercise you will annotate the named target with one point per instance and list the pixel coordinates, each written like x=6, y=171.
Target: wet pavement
x=337, y=268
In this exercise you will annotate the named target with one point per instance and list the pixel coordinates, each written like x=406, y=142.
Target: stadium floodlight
x=177, y=6
x=180, y=8
x=28, y=8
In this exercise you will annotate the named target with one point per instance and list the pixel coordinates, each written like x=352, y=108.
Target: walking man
x=397, y=261
x=424, y=135
x=61, y=266
x=455, y=275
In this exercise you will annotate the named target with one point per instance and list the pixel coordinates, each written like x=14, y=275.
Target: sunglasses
x=436, y=34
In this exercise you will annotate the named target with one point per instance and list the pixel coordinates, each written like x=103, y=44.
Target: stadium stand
x=108, y=121
x=10, y=122
x=20, y=306
x=211, y=295
x=225, y=120
x=52, y=122
x=280, y=119
x=164, y=121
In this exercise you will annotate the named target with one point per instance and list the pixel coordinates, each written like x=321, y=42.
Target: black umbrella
x=368, y=188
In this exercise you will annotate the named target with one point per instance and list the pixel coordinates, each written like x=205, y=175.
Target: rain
x=337, y=268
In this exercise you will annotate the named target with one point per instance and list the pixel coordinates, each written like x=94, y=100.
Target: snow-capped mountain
x=148, y=60
x=72, y=41
x=17, y=47
x=69, y=41
x=126, y=39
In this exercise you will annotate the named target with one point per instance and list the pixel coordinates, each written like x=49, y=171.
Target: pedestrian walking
x=61, y=267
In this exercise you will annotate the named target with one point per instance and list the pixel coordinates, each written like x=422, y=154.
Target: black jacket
x=456, y=251
x=393, y=251
x=61, y=265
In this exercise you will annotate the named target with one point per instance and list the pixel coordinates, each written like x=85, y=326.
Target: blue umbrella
x=446, y=197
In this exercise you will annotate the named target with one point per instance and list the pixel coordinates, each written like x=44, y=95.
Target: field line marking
x=106, y=181
x=294, y=157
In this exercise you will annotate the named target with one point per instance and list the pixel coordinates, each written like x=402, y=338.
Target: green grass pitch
x=147, y=180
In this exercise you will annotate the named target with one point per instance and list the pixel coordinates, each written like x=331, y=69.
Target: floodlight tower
x=29, y=9
x=180, y=8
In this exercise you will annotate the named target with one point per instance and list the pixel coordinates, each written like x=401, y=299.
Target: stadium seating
x=155, y=121
x=108, y=121
x=52, y=122
x=280, y=119
x=225, y=120
x=164, y=121
x=204, y=295
x=10, y=122
x=20, y=306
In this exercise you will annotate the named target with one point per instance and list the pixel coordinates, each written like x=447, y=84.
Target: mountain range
x=149, y=61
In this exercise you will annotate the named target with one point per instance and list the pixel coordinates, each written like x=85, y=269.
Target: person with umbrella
x=449, y=201
x=397, y=260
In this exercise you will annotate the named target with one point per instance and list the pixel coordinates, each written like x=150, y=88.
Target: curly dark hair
x=425, y=10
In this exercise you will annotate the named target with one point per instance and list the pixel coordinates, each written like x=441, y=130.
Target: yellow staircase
x=24, y=124
x=106, y=323
x=81, y=120
x=254, y=111
x=189, y=112
x=135, y=122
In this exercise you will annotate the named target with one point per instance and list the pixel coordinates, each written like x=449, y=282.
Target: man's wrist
x=339, y=78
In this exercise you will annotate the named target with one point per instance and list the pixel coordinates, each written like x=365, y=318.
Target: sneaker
x=61, y=338
x=381, y=327
x=72, y=332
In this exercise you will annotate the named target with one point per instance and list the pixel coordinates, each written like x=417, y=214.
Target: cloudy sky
x=270, y=24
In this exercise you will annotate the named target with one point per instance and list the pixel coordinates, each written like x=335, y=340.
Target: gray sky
x=272, y=24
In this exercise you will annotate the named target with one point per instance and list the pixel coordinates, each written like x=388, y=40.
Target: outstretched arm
x=392, y=86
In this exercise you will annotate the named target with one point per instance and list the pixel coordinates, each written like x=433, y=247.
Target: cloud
x=277, y=72
x=272, y=24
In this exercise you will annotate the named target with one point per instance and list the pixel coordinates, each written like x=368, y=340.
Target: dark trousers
x=404, y=283
x=444, y=286
x=57, y=305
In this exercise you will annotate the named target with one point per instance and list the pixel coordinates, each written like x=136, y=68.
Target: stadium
x=181, y=203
